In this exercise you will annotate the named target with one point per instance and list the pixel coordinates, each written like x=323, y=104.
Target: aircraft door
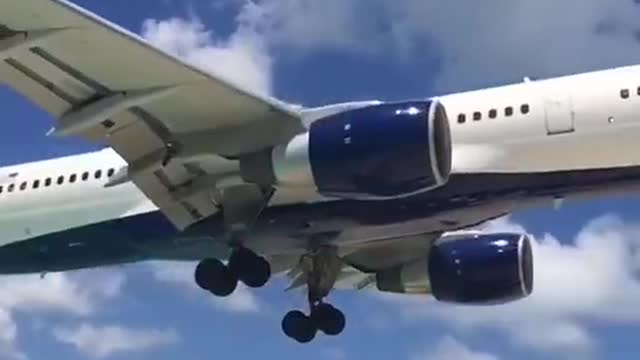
x=559, y=114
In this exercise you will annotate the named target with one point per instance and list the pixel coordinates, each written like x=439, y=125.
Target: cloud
x=78, y=294
x=180, y=274
x=102, y=342
x=479, y=43
x=241, y=58
x=592, y=278
x=449, y=348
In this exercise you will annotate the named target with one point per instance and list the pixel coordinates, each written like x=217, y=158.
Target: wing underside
x=109, y=86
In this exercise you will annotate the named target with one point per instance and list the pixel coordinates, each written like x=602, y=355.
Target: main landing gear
x=243, y=265
x=321, y=270
x=324, y=317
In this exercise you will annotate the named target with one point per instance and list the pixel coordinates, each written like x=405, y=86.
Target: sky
x=587, y=293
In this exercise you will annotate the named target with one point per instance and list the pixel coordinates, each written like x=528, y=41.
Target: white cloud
x=102, y=342
x=449, y=348
x=479, y=42
x=589, y=279
x=243, y=300
x=78, y=294
x=241, y=58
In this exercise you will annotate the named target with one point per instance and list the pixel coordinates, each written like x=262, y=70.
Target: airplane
x=374, y=195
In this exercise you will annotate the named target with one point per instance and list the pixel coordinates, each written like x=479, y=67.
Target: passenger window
x=111, y=172
x=85, y=176
x=493, y=113
x=47, y=182
x=477, y=115
x=98, y=174
x=36, y=184
x=23, y=185
x=73, y=178
x=60, y=180
x=624, y=93
x=638, y=91
x=1, y=189
x=11, y=187
x=462, y=118
x=508, y=111
x=524, y=108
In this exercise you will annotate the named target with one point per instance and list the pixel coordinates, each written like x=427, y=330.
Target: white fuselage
x=585, y=121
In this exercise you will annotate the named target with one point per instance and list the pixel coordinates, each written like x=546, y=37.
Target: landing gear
x=299, y=326
x=214, y=276
x=253, y=270
x=321, y=269
x=244, y=265
x=328, y=319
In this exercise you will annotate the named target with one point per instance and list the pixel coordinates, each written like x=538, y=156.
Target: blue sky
x=316, y=52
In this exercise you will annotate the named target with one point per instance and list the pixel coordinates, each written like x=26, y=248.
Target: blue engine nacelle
x=481, y=269
x=379, y=151
x=468, y=269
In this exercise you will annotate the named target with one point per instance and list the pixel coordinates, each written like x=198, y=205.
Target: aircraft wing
x=107, y=85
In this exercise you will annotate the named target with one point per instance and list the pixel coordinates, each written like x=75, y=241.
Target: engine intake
x=380, y=151
x=481, y=269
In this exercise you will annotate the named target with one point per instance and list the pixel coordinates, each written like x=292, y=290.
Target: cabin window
x=462, y=118
x=47, y=182
x=111, y=172
x=23, y=185
x=508, y=111
x=1, y=189
x=493, y=113
x=477, y=115
x=638, y=90
x=11, y=187
x=36, y=184
x=85, y=176
x=524, y=108
x=624, y=93
x=98, y=174
x=73, y=178
x=60, y=180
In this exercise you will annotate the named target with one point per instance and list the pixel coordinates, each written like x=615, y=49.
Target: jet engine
x=382, y=151
x=473, y=269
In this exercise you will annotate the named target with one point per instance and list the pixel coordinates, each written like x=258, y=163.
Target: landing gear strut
x=321, y=269
x=244, y=265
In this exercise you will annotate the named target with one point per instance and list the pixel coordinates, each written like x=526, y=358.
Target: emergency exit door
x=559, y=115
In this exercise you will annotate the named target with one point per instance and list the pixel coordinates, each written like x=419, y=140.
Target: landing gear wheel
x=298, y=326
x=253, y=270
x=328, y=319
x=214, y=276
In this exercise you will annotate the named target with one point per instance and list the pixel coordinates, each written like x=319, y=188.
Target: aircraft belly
x=465, y=201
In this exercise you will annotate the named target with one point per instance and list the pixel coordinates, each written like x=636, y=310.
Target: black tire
x=298, y=326
x=253, y=270
x=214, y=276
x=328, y=319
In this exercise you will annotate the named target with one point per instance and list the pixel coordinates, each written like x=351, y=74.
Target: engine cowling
x=474, y=269
x=380, y=151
